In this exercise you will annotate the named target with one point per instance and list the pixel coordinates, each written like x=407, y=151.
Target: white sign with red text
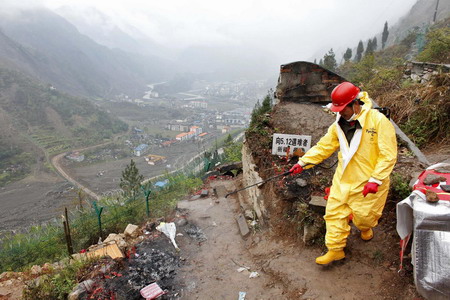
x=282, y=142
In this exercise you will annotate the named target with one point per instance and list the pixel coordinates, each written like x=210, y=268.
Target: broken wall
x=303, y=88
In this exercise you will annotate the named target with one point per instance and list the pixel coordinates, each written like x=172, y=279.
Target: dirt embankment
x=372, y=265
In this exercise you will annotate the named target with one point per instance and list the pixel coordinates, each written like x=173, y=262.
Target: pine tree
x=329, y=60
x=348, y=54
x=374, y=44
x=321, y=62
x=315, y=61
x=131, y=180
x=228, y=140
x=385, y=35
x=359, y=51
x=369, y=48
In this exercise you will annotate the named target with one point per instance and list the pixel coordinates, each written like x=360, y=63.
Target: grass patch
x=57, y=284
x=41, y=244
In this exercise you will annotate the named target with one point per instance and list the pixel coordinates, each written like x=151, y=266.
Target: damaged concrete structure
x=302, y=91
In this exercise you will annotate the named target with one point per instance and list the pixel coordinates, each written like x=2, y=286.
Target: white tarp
x=430, y=225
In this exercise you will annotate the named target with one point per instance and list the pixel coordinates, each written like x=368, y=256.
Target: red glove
x=370, y=187
x=327, y=193
x=296, y=169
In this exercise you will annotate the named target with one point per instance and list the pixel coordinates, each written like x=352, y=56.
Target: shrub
x=437, y=48
x=399, y=188
x=57, y=284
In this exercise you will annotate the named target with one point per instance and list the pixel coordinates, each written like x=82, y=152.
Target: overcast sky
x=288, y=29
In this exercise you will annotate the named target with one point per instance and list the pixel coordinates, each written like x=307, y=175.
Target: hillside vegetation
x=422, y=110
x=37, y=116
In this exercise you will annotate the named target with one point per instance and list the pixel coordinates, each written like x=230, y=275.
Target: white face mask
x=352, y=118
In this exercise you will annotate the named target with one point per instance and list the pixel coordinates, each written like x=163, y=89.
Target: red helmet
x=342, y=95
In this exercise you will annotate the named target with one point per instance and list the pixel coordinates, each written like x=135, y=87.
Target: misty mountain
x=227, y=62
x=216, y=63
x=420, y=16
x=103, y=30
x=52, y=49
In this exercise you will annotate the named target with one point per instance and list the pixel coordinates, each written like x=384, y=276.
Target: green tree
x=369, y=48
x=374, y=44
x=359, y=51
x=385, y=35
x=364, y=70
x=228, y=140
x=321, y=62
x=131, y=180
x=329, y=60
x=348, y=55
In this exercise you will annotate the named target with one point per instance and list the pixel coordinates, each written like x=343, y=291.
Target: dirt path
x=56, y=162
x=210, y=269
x=286, y=269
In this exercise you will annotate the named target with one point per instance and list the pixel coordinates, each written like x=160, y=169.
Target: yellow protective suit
x=371, y=155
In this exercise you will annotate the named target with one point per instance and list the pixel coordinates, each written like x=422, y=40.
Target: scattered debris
x=243, y=227
x=169, y=230
x=253, y=275
x=433, y=179
x=112, y=251
x=431, y=196
x=242, y=295
x=249, y=214
x=196, y=233
x=242, y=269
x=152, y=291
x=131, y=230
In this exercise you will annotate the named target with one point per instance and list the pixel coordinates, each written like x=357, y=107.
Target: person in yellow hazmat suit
x=368, y=153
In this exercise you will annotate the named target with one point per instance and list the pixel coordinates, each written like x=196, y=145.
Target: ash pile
x=153, y=260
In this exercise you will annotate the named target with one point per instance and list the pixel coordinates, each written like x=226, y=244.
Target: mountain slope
x=73, y=62
x=34, y=116
x=420, y=15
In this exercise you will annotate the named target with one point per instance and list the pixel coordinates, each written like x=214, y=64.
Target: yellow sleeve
x=387, y=144
x=326, y=146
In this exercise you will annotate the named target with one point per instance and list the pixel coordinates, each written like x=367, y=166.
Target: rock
x=249, y=214
x=243, y=226
x=431, y=196
x=181, y=222
x=75, y=295
x=47, y=267
x=116, y=238
x=131, y=230
x=36, y=270
x=433, y=179
x=318, y=201
x=150, y=226
x=81, y=289
x=415, y=77
x=4, y=275
x=8, y=282
x=196, y=197
x=310, y=233
x=301, y=182
x=204, y=193
x=427, y=76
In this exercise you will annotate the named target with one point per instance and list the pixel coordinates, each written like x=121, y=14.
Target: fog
x=275, y=31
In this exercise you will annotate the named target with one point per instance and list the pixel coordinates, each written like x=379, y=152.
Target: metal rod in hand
x=258, y=183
